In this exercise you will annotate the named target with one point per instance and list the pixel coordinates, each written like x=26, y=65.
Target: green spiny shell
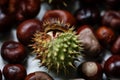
x=58, y=53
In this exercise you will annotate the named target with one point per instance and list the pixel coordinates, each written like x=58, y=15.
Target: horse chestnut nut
x=112, y=19
x=115, y=49
x=87, y=15
x=38, y=75
x=112, y=67
x=26, y=29
x=87, y=37
x=105, y=35
x=14, y=72
x=62, y=15
x=90, y=70
x=13, y=52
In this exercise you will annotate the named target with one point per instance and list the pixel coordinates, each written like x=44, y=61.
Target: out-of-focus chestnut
x=62, y=15
x=87, y=15
x=27, y=9
x=14, y=72
x=13, y=52
x=105, y=35
x=112, y=67
x=112, y=19
x=112, y=4
x=6, y=21
x=90, y=70
x=92, y=48
x=115, y=49
x=26, y=30
x=38, y=75
x=3, y=2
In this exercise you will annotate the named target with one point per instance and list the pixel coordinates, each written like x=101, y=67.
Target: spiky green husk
x=58, y=53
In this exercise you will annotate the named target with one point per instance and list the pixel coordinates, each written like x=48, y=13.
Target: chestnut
x=105, y=35
x=115, y=48
x=14, y=72
x=87, y=15
x=87, y=37
x=27, y=9
x=6, y=21
x=13, y=52
x=38, y=75
x=62, y=15
x=111, y=19
x=3, y=2
x=112, y=4
x=26, y=29
x=90, y=70
x=112, y=67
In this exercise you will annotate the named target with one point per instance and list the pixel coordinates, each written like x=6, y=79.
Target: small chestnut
x=105, y=35
x=90, y=70
x=14, y=72
x=38, y=75
x=112, y=67
x=115, y=48
x=63, y=15
x=13, y=52
x=26, y=29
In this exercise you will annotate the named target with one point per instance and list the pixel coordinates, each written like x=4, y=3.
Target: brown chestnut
x=111, y=19
x=90, y=70
x=38, y=75
x=87, y=37
x=112, y=4
x=112, y=67
x=14, y=72
x=6, y=21
x=105, y=35
x=26, y=30
x=115, y=49
x=13, y=52
x=87, y=15
x=62, y=15
x=27, y=9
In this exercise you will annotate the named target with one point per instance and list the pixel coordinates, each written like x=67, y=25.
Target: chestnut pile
x=75, y=39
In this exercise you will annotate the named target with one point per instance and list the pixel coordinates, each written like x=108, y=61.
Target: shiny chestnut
x=26, y=29
x=13, y=52
x=90, y=70
x=112, y=67
x=14, y=72
x=61, y=15
x=38, y=75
